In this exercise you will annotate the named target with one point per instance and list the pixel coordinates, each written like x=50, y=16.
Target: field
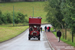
x=7, y=33
x=25, y=8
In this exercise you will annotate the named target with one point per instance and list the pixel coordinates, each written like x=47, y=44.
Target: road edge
x=49, y=42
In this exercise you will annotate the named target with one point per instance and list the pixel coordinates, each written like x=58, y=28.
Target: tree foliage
x=68, y=11
x=54, y=14
x=61, y=13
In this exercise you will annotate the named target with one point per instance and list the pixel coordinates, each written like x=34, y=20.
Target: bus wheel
x=29, y=38
x=38, y=38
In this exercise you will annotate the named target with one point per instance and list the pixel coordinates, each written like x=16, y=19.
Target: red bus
x=34, y=27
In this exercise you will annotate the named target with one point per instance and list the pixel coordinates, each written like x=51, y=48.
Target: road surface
x=21, y=42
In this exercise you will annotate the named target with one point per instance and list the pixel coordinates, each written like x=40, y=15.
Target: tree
x=68, y=12
x=54, y=14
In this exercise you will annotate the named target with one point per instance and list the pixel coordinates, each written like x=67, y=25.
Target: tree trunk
x=65, y=32
x=72, y=36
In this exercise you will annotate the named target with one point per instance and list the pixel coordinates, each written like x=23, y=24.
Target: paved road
x=21, y=42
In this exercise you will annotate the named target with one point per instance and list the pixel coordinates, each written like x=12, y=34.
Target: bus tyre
x=38, y=38
x=29, y=38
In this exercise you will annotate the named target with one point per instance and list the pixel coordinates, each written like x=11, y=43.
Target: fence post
x=63, y=35
x=72, y=36
x=13, y=15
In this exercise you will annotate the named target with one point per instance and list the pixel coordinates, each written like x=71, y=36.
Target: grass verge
x=7, y=33
x=66, y=41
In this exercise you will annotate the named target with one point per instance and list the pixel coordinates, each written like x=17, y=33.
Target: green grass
x=11, y=25
x=25, y=8
x=53, y=31
x=66, y=41
x=7, y=33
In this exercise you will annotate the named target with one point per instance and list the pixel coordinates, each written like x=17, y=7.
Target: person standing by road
x=49, y=28
x=58, y=35
x=45, y=28
x=41, y=29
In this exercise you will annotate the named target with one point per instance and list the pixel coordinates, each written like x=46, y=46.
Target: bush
x=20, y=18
x=4, y=19
x=8, y=18
x=1, y=22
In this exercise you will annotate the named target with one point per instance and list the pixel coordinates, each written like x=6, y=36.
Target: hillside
x=25, y=8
